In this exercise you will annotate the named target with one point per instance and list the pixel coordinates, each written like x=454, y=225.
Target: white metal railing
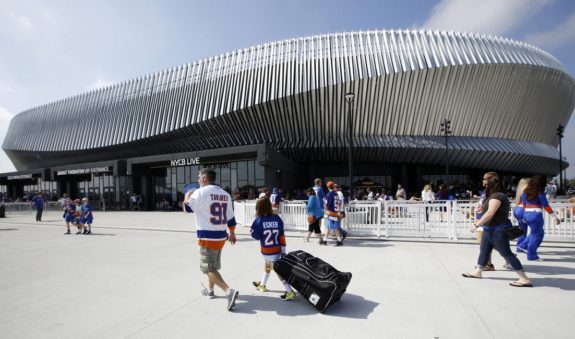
x=18, y=207
x=27, y=207
x=440, y=219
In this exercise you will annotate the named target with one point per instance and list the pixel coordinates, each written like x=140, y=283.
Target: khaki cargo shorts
x=210, y=260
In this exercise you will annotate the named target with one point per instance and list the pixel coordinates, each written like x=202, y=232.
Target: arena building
x=276, y=115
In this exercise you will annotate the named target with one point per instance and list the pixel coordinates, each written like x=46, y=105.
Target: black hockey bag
x=317, y=281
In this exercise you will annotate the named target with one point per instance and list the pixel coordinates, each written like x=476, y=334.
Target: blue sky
x=53, y=49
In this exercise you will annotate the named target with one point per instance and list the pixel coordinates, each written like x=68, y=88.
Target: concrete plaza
x=137, y=276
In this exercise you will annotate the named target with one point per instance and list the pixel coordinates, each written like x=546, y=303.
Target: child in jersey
x=69, y=212
x=77, y=216
x=86, y=218
x=268, y=228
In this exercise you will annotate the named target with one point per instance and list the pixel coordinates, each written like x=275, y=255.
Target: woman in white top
x=428, y=196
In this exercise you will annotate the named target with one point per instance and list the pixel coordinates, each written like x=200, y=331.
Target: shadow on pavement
x=252, y=304
x=548, y=270
x=350, y=306
x=362, y=243
x=562, y=283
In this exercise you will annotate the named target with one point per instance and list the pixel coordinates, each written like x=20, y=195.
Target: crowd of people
x=77, y=213
x=215, y=223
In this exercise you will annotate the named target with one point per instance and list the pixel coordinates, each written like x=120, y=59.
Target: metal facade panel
x=290, y=94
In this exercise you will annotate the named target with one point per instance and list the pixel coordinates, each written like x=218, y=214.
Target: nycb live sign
x=185, y=162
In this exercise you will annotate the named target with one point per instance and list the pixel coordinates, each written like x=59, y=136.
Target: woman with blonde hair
x=518, y=211
x=428, y=196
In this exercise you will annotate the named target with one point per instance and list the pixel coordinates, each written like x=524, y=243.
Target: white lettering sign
x=20, y=176
x=185, y=162
x=103, y=169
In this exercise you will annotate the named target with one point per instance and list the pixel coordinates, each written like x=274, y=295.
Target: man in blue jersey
x=38, y=202
x=334, y=216
x=321, y=196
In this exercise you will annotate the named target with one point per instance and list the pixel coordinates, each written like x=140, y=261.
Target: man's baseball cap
x=191, y=187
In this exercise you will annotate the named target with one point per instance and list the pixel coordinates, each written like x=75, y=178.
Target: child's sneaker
x=259, y=286
x=288, y=296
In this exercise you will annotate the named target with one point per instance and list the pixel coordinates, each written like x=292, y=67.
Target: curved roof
x=290, y=94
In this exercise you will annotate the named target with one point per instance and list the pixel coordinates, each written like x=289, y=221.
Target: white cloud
x=5, y=117
x=559, y=36
x=6, y=88
x=99, y=83
x=25, y=23
x=5, y=163
x=494, y=17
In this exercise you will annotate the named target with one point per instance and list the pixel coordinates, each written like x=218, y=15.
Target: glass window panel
x=251, y=172
x=260, y=172
x=225, y=174
x=180, y=175
x=242, y=167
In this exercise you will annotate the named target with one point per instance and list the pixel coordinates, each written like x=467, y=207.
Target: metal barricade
x=363, y=217
x=440, y=219
x=19, y=208
x=566, y=229
x=416, y=218
x=294, y=215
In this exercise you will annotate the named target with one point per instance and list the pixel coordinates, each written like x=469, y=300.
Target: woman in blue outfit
x=314, y=210
x=533, y=202
x=495, y=220
x=518, y=211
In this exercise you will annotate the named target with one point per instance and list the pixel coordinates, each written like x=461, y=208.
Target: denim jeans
x=39, y=214
x=496, y=237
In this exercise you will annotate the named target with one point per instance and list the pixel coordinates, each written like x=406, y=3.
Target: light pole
x=560, y=131
x=446, y=129
x=349, y=99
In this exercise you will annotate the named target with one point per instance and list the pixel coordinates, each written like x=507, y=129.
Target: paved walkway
x=137, y=276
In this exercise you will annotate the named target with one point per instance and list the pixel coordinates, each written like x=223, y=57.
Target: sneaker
x=89, y=232
x=232, y=298
x=68, y=232
x=288, y=296
x=521, y=250
x=206, y=293
x=344, y=236
x=339, y=243
x=85, y=231
x=79, y=232
x=323, y=242
x=259, y=286
x=507, y=266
